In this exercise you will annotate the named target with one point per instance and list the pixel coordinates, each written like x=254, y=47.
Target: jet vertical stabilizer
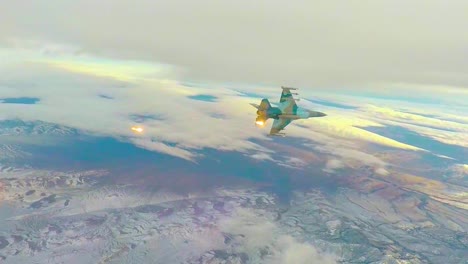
x=264, y=104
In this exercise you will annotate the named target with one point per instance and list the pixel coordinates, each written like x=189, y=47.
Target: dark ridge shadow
x=106, y=96
x=140, y=118
x=20, y=100
x=331, y=104
x=203, y=97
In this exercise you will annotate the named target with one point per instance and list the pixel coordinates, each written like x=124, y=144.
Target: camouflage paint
x=286, y=111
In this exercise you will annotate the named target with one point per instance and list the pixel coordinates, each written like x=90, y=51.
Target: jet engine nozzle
x=260, y=122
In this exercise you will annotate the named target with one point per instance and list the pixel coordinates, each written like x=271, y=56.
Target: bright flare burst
x=260, y=123
x=137, y=129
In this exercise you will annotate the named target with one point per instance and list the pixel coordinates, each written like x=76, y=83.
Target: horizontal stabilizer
x=290, y=88
x=255, y=105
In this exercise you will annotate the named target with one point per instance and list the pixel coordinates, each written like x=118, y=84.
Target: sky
x=324, y=45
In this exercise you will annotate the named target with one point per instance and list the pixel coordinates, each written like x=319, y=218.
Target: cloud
x=441, y=135
x=107, y=97
x=460, y=170
x=338, y=136
x=344, y=126
x=262, y=156
x=333, y=164
x=163, y=148
x=72, y=97
x=385, y=113
x=348, y=157
x=382, y=171
x=246, y=222
x=294, y=252
x=314, y=44
x=454, y=132
x=258, y=232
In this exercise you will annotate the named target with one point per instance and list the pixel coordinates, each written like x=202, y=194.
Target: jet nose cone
x=316, y=114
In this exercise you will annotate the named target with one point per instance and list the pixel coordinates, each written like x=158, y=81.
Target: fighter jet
x=286, y=111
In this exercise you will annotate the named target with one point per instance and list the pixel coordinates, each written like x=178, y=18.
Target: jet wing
x=287, y=100
x=278, y=125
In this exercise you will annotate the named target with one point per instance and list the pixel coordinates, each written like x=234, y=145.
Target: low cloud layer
x=104, y=96
x=320, y=44
x=257, y=232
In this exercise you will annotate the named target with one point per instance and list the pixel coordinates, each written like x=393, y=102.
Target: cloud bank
x=257, y=233
x=107, y=97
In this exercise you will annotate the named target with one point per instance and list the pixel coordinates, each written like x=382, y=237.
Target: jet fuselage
x=283, y=113
x=263, y=114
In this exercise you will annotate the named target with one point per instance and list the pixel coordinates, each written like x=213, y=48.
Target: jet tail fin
x=265, y=104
